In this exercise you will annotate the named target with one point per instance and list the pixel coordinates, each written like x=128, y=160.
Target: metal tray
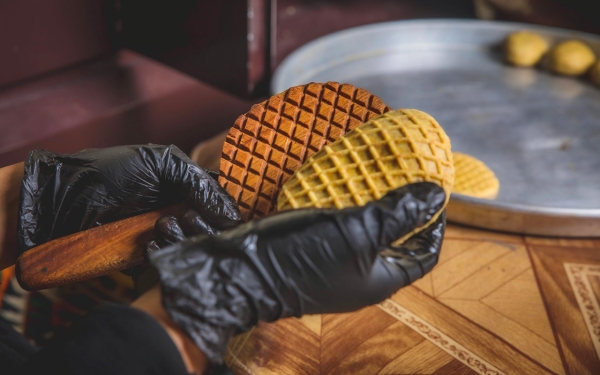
x=539, y=132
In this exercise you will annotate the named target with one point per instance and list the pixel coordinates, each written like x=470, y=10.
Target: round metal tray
x=540, y=133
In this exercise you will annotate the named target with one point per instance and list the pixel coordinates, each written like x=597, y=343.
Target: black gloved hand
x=64, y=194
x=308, y=261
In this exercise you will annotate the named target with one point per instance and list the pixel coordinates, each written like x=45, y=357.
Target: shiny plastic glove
x=308, y=261
x=64, y=194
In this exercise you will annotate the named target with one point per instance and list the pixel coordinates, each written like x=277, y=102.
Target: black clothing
x=112, y=339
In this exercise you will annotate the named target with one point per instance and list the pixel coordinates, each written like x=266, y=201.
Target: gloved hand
x=308, y=261
x=64, y=194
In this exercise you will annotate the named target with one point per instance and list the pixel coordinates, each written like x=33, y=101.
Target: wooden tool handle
x=95, y=252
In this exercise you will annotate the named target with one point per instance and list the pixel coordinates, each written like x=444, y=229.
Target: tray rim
x=558, y=221
x=286, y=65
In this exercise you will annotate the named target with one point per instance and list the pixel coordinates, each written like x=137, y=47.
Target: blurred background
x=78, y=74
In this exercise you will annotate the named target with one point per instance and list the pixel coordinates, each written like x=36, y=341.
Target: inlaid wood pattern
x=584, y=281
x=494, y=304
x=440, y=339
x=553, y=265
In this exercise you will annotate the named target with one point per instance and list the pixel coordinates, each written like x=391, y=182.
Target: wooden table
x=494, y=304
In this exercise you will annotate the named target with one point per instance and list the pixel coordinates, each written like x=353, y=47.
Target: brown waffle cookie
x=270, y=142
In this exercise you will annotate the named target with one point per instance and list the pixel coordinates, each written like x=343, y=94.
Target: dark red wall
x=39, y=36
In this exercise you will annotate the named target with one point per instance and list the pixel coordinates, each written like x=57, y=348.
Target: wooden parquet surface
x=494, y=304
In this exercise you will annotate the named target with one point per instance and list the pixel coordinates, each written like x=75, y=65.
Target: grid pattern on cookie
x=473, y=177
x=389, y=151
x=270, y=142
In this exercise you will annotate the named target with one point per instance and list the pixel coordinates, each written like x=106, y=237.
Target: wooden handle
x=95, y=252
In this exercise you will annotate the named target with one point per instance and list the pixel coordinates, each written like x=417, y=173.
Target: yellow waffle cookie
x=473, y=177
x=387, y=152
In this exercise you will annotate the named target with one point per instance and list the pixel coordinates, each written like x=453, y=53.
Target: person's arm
x=150, y=302
x=194, y=359
x=64, y=194
x=52, y=195
x=10, y=186
x=305, y=261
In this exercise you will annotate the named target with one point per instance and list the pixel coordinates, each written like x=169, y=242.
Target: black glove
x=308, y=261
x=64, y=194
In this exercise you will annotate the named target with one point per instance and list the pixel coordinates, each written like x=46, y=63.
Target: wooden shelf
x=125, y=98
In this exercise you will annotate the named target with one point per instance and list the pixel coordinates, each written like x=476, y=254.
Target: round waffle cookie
x=270, y=142
x=474, y=178
x=387, y=152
